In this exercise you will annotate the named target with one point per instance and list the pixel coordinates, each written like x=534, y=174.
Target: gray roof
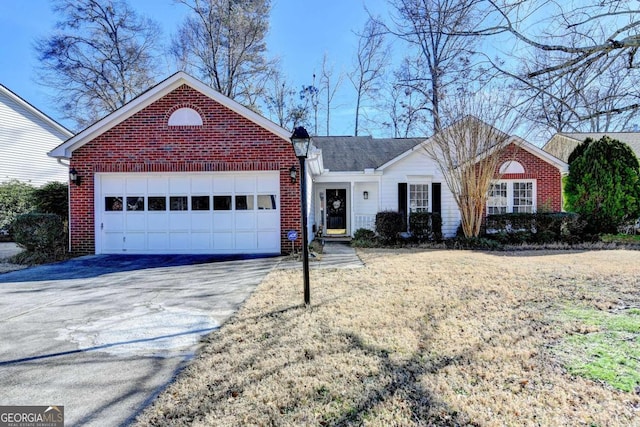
x=357, y=153
x=562, y=144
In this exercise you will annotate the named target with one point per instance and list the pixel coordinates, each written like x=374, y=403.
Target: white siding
x=417, y=167
x=365, y=210
x=26, y=136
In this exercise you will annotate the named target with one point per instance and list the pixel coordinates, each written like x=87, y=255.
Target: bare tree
x=469, y=149
x=224, y=43
x=441, y=50
x=280, y=101
x=405, y=106
x=371, y=59
x=329, y=88
x=101, y=56
x=578, y=101
x=585, y=57
x=309, y=95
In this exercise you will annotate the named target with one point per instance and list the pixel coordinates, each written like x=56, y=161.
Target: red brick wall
x=547, y=176
x=145, y=143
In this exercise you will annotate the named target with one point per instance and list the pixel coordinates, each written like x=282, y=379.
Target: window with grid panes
x=419, y=197
x=497, y=201
x=522, y=197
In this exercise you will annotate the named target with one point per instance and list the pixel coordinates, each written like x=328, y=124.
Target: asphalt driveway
x=102, y=335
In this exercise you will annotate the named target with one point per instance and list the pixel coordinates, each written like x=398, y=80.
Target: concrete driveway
x=102, y=335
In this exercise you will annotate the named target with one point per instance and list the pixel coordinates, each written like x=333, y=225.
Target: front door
x=336, y=211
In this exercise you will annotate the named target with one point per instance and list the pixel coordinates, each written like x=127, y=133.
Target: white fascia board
x=342, y=177
x=163, y=88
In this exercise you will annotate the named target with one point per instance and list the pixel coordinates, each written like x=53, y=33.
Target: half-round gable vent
x=185, y=117
x=511, y=166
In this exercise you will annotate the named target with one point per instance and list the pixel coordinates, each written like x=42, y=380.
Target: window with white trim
x=522, y=197
x=510, y=196
x=497, y=201
x=418, y=197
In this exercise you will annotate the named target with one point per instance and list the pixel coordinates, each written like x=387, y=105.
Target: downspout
x=68, y=204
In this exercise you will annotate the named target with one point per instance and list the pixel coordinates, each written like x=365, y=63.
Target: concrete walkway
x=334, y=255
x=102, y=335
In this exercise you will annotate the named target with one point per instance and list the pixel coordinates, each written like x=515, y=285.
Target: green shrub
x=546, y=227
x=16, y=198
x=364, y=238
x=364, y=234
x=388, y=225
x=52, y=197
x=43, y=234
x=603, y=185
x=479, y=243
x=425, y=226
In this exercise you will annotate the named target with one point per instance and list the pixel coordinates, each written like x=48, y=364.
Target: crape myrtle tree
x=469, y=149
x=101, y=55
x=603, y=184
x=223, y=42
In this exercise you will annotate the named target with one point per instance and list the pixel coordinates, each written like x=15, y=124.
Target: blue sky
x=301, y=32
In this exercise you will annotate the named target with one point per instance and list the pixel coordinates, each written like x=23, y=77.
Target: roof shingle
x=357, y=153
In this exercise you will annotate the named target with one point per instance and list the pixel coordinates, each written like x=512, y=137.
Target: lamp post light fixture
x=301, y=142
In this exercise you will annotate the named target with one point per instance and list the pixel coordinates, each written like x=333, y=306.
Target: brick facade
x=227, y=141
x=548, y=177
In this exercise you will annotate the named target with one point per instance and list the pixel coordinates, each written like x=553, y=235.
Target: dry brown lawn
x=415, y=338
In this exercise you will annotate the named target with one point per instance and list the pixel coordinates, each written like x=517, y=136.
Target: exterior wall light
x=73, y=176
x=293, y=173
x=365, y=195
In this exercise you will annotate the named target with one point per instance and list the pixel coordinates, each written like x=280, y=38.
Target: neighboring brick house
x=183, y=169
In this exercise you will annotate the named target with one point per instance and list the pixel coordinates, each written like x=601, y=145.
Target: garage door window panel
x=221, y=203
x=266, y=202
x=135, y=203
x=112, y=204
x=157, y=203
x=178, y=203
x=200, y=203
x=244, y=203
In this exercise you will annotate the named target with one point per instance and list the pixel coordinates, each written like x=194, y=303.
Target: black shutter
x=436, y=203
x=402, y=202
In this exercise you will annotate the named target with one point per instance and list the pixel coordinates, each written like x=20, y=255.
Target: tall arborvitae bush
x=603, y=184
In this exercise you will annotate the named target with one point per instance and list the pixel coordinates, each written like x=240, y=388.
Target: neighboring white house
x=26, y=136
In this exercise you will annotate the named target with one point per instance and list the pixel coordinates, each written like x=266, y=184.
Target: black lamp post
x=301, y=142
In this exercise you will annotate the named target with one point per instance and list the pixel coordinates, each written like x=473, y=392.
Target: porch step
x=328, y=239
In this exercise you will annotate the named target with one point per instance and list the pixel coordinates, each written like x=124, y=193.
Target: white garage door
x=206, y=213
